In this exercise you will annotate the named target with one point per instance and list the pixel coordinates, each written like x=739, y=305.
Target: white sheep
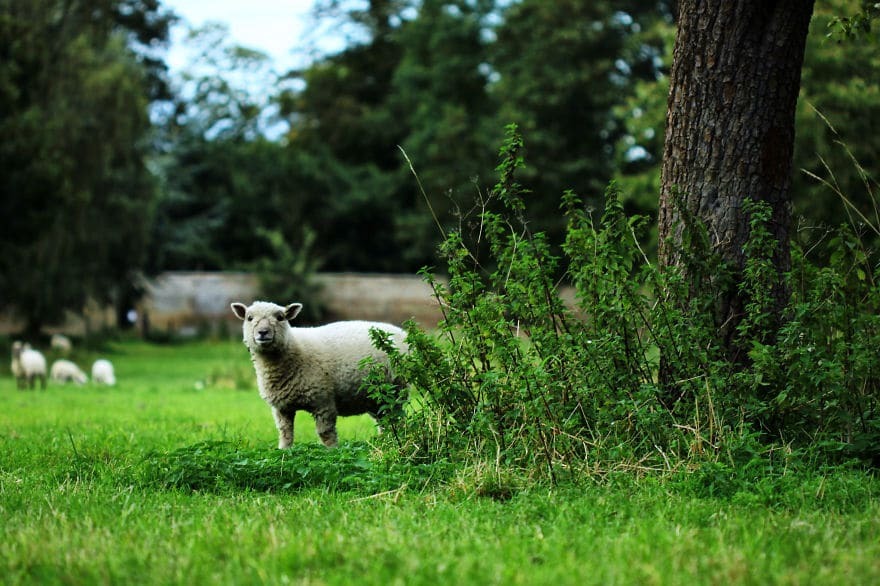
x=311, y=369
x=65, y=371
x=28, y=365
x=61, y=343
x=102, y=372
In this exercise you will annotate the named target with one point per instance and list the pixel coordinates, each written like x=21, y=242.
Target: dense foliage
x=440, y=80
x=75, y=191
x=100, y=190
x=428, y=83
x=519, y=377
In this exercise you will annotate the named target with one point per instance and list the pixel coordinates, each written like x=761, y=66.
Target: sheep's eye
x=250, y=318
x=279, y=316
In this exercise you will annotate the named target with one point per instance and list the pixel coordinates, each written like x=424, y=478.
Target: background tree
x=563, y=67
x=75, y=188
x=221, y=177
x=639, y=150
x=856, y=22
x=442, y=79
x=730, y=134
x=340, y=119
x=440, y=92
x=840, y=99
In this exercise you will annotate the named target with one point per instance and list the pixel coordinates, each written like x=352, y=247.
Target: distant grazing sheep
x=102, y=372
x=28, y=365
x=311, y=369
x=61, y=343
x=65, y=371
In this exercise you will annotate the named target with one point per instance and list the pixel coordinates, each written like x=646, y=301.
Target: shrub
x=517, y=377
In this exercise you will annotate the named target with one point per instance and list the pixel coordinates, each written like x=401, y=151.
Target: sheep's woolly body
x=311, y=369
x=317, y=359
x=102, y=372
x=28, y=365
x=61, y=343
x=65, y=371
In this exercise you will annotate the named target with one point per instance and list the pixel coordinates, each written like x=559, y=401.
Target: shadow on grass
x=215, y=466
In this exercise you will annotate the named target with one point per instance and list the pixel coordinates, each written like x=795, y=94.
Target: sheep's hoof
x=329, y=439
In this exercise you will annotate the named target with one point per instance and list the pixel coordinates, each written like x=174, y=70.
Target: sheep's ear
x=239, y=309
x=292, y=310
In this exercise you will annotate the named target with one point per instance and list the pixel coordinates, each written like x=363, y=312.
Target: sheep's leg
x=325, y=425
x=285, y=428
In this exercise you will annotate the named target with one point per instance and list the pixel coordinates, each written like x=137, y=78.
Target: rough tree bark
x=730, y=130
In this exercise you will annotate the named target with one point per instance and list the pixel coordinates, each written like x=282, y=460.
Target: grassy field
x=172, y=477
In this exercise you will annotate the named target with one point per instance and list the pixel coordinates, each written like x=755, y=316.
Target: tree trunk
x=730, y=132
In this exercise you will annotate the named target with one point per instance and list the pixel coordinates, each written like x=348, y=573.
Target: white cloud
x=275, y=27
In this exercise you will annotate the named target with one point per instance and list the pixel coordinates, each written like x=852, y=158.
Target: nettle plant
x=820, y=381
x=518, y=376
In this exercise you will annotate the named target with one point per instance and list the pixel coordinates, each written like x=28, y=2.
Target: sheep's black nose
x=263, y=333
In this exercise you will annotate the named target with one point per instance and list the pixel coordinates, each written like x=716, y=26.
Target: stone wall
x=188, y=303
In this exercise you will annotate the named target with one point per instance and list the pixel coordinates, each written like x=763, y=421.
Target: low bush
x=519, y=378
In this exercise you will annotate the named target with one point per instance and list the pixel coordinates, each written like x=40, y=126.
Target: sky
x=271, y=26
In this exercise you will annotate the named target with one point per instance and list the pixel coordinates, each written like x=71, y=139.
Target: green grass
x=172, y=477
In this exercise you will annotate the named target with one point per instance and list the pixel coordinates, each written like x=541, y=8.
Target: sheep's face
x=265, y=325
